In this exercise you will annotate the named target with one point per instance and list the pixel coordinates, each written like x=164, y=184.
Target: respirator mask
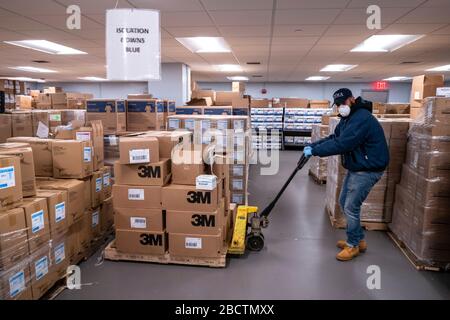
x=344, y=110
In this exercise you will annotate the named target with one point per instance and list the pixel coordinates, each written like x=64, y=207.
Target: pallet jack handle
x=300, y=164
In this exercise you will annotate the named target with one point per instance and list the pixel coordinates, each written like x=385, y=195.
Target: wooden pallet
x=111, y=253
x=414, y=260
x=368, y=225
x=316, y=178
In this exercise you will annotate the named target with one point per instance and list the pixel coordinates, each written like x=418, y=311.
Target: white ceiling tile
x=48, y=7
x=294, y=41
x=437, y=3
x=238, y=4
x=349, y=30
x=359, y=16
x=411, y=28
x=311, y=4
x=299, y=30
x=96, y=6
x=168, y=5
x=305, y=16
x=193, y=31
x=242, y=18
x=385, y=3
x=18, y=23
x=185, y=19
x=248, y=31
x=232, y=41
x=445, y=30
x=426, y=15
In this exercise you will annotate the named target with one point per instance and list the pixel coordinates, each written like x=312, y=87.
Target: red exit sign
x=380, y=85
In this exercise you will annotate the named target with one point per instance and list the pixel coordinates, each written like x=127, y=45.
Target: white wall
x=399, y=92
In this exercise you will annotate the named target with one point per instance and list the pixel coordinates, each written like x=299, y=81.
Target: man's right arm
x=331, y=136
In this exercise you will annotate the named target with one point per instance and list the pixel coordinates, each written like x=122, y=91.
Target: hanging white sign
x=133, y=44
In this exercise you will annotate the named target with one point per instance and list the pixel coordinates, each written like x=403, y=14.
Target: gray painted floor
x=297, y=263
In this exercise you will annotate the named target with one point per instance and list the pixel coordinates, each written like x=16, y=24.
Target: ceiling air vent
x=253, y=62
x=40, y=61
x=409, y=62
x=257, y=76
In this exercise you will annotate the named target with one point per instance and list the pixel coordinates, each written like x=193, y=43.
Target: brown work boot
x=341, y=244
x=348, y=253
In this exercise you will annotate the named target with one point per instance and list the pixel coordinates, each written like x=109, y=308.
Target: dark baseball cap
x=341, y=95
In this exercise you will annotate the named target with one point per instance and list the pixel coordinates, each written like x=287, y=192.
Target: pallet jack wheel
x=255, y=242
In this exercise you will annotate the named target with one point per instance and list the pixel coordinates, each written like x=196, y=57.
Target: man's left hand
x=307, y=151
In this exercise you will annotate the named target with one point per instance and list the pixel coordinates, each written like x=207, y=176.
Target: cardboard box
x=5, y=127
x=42, y=154
x=237, y=86
x=195, y=245
x=138, y=150
x=97, y=194
x=168, y=140
x=141, y=242
x=110, y=112
x=23, y=102
x=199, y=94
x=137, y=197
x=69, y=116
x=378, y=108
x=22, y=125
x=189, y=110
x=190, y=167
x=43, y=275
x=218, y=110
x=38, y=227
x=225, y=98
x=397, y=108
x=48, y=118
x=75, y=195
x=25, y=154
x=44, y=101
x=15, y=283
x=72, y=159
x=169, y=109
x=107, y=215
x=93, y=133
x=79, y=103
x=437, y=111
x=193, y=222
x=139, y=96
x=145, y=115
x=139, y=219
x=94, y=226
x=294, y=102
x=319, y=104
x=424, y=86
x=60, y=254
x=87, y=193
x=57, y=205
x=187, y=198
x=13, y=238
x=10, y=180
x=154, y=174
x=107, y=183
x=241, y=107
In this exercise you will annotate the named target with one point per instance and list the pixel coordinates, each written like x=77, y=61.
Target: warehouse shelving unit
x=267, y=128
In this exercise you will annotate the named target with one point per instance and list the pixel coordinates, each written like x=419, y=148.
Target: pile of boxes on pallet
x=422, y=87
x=10, y=92
x=230, y=136
x=378, y=205
x=61, y=212
x=299, y=122
x=421, y=217
x=163, y=204
x=318, y=166
x=267, y=128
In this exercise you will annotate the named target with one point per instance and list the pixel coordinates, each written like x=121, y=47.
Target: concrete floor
x=298, y=261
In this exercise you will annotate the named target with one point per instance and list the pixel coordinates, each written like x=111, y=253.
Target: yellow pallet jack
x=248, y=224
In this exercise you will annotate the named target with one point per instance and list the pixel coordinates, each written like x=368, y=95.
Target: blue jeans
x=355, y=190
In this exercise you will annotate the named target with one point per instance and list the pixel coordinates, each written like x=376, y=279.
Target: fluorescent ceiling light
x=25, y=79
x=317, y=78
x=45, y=46
x=33, y=69
x=338, y=67
x=228, y=67
x=92, y=78
x=397, y=78
x=441, y=68
x=205, y=44
x=385, y=42
x=238, y=78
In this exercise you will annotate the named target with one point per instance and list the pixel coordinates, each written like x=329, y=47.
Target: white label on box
x=16, y=283
x=83, y=136
x=238, y=184
x=139, y=155
x=95, y=218
x=98, y=184
x=189, y=124
x=7, y=177
x=174, y=124
x=55, y=117
x=42, y=131
x=193, y=243
x=87, y=157
x=60, y=211
x=206, y=182
x=136, y=194
x=37, y=221
x=41, y=267
x=106, y=179
x=138, y=223
x=417, y=95
x=113, y=140
x=238, y=171
x=60, y=253
x=443, y=91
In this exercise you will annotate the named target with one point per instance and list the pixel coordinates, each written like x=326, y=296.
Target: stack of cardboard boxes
x=422, y=87
x=318, y=166
x=421, y=217
x=9, y=91
x=378, y=205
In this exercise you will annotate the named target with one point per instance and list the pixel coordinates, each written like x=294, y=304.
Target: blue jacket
x=359, y=139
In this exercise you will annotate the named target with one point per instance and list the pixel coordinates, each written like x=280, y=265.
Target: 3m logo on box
x=149, y=172
x=148, y=239
x=202, y=220
x=199, y=197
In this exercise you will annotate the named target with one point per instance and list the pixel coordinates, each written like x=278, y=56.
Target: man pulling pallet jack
x=360, y=140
